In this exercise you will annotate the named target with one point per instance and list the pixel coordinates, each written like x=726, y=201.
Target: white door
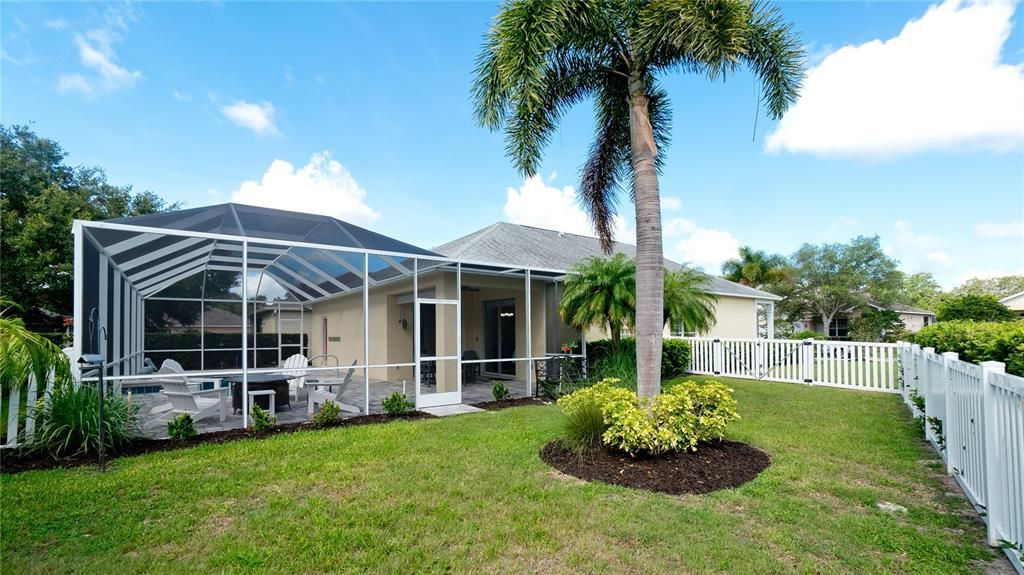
x=438, y=370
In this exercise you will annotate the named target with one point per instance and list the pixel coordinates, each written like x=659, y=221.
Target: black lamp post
x=96, y=361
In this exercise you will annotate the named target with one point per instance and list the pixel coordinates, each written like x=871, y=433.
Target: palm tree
x=24, y=354
x=688, y=301
x=600, y=291
x=542, y=56
x=755, y=268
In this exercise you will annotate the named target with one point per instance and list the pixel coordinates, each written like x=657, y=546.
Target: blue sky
x=362, y=111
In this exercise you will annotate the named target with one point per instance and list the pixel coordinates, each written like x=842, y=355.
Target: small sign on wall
x=334, y=339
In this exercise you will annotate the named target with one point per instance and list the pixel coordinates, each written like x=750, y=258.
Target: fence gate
x=858, y=365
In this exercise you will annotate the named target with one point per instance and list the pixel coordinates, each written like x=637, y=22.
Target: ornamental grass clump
x=68, y=423
x=675, y=420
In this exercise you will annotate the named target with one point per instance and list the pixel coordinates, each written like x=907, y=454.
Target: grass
x=469, y=494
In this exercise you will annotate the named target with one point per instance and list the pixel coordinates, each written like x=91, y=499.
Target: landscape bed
x=471, y=494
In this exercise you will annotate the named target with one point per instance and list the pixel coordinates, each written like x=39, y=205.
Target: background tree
x=878, y=325
x=833, y=277
x=755, y=268
x=600, y=292
x=974, y=307
x=920, y=290
x=40, y=197
x=543, y=56
x=1000, y=287
x=688, y=301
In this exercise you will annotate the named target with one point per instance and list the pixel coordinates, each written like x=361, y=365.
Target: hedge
x=675, y=353
x=978, y=341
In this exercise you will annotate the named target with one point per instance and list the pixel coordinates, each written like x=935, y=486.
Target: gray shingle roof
x=516, y=245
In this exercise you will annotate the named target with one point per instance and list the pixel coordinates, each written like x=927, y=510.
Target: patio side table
x=270, y=393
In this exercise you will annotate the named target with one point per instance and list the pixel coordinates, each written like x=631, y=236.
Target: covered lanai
x=228, y=293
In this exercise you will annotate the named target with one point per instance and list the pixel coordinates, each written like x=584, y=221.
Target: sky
x=910, y=125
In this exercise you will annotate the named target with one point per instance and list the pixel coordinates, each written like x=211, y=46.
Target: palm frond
x=608, y=160
x=706, y=36
x=776, y=55
x=688, y=300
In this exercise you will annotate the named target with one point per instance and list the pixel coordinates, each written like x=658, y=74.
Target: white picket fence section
x=852, y=365
x=974, y=416
x=32, y=392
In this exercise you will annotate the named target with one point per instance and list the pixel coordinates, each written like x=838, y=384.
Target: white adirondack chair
x=182, y=400
x=331, y=390
x=295, y=366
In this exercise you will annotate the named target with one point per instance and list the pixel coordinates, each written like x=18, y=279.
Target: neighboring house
x=214, y=320
x=1015, y=302
x=736, y=312
x=913, y=319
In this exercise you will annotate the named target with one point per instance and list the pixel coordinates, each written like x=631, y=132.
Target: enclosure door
x=438, y=381
x=500, y=335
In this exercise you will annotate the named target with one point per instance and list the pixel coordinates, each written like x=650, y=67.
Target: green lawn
x=469, y=494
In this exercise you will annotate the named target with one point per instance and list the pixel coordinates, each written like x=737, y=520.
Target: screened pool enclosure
x=229, y=295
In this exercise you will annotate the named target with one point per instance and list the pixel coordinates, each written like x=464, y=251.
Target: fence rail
x=974, y=417
x=854, y=365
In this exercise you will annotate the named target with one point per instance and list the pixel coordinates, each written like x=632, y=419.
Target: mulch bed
x=15, y=463
x=714, y=466
x=506, y=403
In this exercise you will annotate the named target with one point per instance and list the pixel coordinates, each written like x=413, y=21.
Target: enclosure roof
x=309, y=256
x=518, y=245
x=253, y=222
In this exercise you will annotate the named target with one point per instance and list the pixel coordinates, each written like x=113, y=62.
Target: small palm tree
x=688, y=301
x=543, y=56
x=755, y=268
x=24, y=354
x=600, y=292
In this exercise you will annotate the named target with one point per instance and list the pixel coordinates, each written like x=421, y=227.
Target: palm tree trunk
x=650, y=264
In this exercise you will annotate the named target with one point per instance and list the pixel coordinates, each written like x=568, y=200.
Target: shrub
x=808, y=334
x=68, y=424
x=878, y=325
x=675, y=420
x=260, y=420
x=976, y=342
x=181, y=427
x=976, y=307
x=397, y=404
x=327, y=415
x=608, y=358
x=584, y=412
x=500, y=392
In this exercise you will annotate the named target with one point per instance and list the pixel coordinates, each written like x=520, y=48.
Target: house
x=913, y=319
x=1015, y=302
x=386, y=314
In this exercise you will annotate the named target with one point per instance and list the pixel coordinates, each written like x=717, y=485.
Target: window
x=323, y=335
x=839, y=328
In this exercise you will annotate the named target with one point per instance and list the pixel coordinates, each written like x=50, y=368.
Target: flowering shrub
x=675, y=420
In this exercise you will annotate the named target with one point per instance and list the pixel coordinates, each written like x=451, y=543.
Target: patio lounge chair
x=183, y=400
x=295, y=366
x=470, y=371
x=325, y=390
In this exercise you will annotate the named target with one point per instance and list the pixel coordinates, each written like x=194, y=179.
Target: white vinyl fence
x=854, y=365
x=19, y=413
x=974, y=416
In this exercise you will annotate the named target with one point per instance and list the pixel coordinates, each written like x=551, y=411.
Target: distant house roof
x=527, y=246
x=902, y=308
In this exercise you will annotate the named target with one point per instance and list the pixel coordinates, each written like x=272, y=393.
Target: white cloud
x=538, y=204
x=937, y=85
x=994, y=230
x=677, y=227
x=257, y=117
x=917, y=252
x=57, y=24
x=671, y=203
x=101, y=72
x=322, y=185
x=181, y=96
x=706, y=248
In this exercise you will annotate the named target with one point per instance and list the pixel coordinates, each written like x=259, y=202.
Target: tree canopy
x=829, y=278
x=40, y=197
x=999, y=287
x=755, y=268
x=974, y=307
x=920, y=290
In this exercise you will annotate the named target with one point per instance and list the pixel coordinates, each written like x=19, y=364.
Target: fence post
x=759, y=354
x=949, y=424
x=807, y=361
x=717, y=356
x=927, y=391
x=995, y=507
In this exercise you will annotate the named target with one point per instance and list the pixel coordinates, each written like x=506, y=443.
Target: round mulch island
x=716, y=465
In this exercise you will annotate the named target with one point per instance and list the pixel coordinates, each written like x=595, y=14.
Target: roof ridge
x=480, y=235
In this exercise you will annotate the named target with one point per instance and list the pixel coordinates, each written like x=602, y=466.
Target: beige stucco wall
x=390, y=343
x=913, y=322
x=734, y=318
